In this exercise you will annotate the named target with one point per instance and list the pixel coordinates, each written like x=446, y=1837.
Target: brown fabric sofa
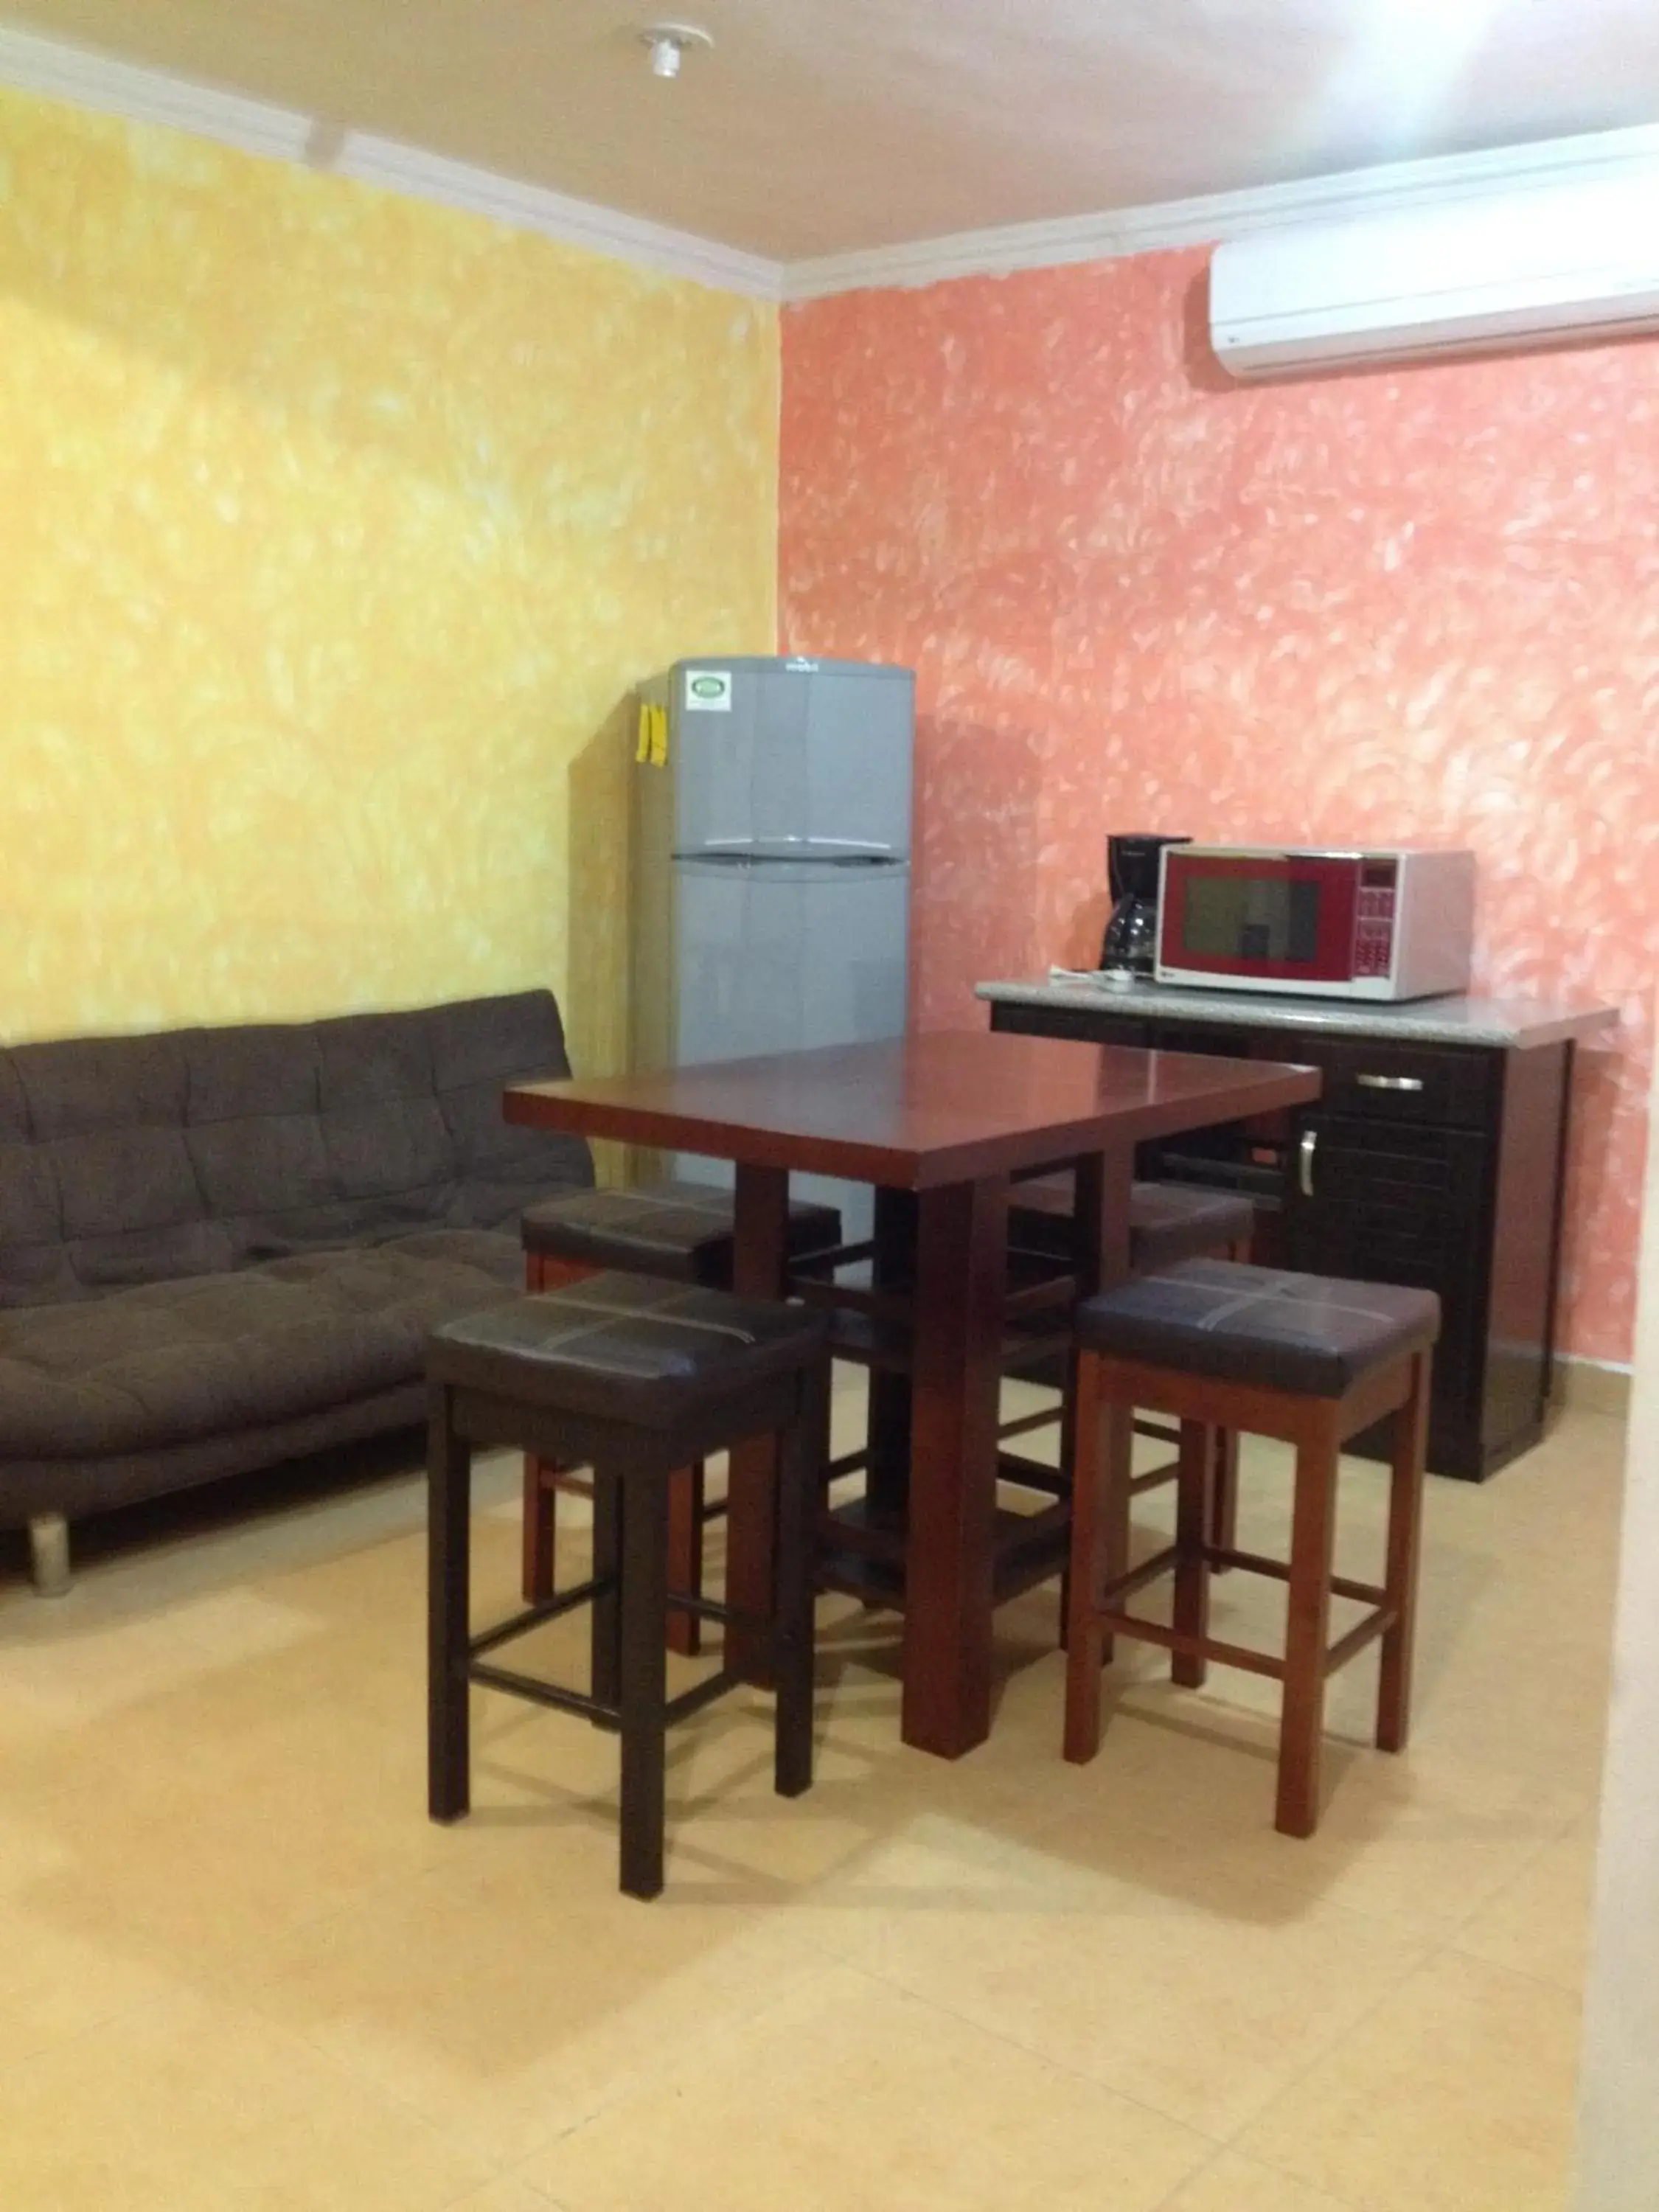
x=220, y=1249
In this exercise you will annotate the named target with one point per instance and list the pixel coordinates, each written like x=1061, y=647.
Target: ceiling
x=827, y=126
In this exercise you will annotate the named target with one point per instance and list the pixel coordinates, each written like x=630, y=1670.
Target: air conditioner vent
x=1540, y=267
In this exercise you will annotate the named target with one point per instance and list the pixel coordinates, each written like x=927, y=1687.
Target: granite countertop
x=1504, y=1023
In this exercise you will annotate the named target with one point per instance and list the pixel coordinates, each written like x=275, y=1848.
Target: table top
x=1507, y=1025
x=914, y=1113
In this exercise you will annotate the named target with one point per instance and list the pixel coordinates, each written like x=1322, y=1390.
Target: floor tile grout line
x=663, y=2072
x=348, y=2079
x=81, y=2034
x=1042, y=2057
x=1440, y=1934
x=856, y=1968
x=1376, y=1917
x=365, y=2081
x=468, y=2196
x=1170, y=2202
x=362, y=2077
x=1166, y=2204
x=1335, y=2041
x=730, y=2025
x=1455, y=1950
x=1495, y=1896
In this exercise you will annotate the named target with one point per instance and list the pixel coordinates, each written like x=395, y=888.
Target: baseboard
x=1592, y=1386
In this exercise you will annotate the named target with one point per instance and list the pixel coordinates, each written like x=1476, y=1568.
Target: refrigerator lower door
x=782, y=955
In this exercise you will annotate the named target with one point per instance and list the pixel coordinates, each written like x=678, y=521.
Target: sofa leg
x=49, y=1554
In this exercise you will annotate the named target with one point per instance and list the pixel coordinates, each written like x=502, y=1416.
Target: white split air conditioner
x=1538, y=267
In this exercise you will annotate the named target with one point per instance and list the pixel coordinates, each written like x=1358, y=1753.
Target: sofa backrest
x=131, y=1159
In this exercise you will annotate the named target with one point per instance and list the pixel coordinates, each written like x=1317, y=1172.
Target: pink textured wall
x=1420, y=605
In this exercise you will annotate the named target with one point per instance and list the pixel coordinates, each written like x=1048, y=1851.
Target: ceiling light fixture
x=670, y=43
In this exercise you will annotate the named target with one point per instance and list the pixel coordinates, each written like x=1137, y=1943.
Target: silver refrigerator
x=771, y=867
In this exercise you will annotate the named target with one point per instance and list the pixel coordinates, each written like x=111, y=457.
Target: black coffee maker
x=1131, y=941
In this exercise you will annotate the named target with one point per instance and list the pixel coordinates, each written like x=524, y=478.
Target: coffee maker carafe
x=1132, y=865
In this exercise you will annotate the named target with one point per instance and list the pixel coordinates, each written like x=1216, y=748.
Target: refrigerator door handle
x=809, y=856
x=806, y=847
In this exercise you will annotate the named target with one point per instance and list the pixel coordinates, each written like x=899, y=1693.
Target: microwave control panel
x=1373, y=928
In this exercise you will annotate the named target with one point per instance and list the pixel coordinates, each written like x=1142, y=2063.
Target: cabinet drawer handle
x=1389, y=1082
x=1304, y=1163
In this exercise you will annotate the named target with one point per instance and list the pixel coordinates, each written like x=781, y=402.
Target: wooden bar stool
x=1302, y=1358
x=683, y=1232
x=634, y=1378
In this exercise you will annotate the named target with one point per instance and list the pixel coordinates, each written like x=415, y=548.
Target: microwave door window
x=1251, y=918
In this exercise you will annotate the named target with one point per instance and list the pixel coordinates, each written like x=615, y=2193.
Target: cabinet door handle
x=1389, y=1082
x=1304, y=1161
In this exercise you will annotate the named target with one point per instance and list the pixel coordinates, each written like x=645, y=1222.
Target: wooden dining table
x=948, y=1117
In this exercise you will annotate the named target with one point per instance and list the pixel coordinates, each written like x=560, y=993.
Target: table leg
x=1100, y=1219
x=1100, y=1230
x=887, y=1479
x=759, y=1269
x=961, y=1265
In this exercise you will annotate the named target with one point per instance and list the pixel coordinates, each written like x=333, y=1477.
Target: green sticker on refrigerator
x=707, y=691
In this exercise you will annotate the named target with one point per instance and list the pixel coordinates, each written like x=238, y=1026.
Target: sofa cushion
x=174, y=1362
x=132, y=1160
x=477, y=1047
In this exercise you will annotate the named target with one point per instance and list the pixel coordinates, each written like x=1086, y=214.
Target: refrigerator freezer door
x=801, y=761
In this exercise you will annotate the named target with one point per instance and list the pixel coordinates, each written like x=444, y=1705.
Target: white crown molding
x=62, y=71
x=1207, y=221
x=59, y=71
x=653, y=246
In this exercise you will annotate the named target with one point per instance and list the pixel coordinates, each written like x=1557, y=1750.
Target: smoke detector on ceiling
x=670, y=43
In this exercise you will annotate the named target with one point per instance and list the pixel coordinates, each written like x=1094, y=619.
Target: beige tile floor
x=238, y=1968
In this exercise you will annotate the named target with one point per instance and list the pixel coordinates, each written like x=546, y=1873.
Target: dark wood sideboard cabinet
x=1437, y=1165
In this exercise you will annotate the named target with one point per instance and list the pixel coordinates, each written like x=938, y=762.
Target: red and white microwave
x=1396, y=924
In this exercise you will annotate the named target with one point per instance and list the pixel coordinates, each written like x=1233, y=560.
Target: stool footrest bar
x=710, y=1608
x=1162, y=1432
x=1032, y=1474
x=1154, y=1478
x=1253, y=1563
x=1195, y=1647
x=1362, y=1633
x=1124, y=1586
x=534, y=1615
x=831, y=1257
x=542, y=1694
x=1046, y=1418
x=700, y=1694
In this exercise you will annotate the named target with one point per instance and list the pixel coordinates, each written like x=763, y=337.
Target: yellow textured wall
x=333, y=527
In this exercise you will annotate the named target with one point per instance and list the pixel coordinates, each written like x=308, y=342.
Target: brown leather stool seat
x=682, y=1231
x=633, y=1378
x=1168, y=1222
x=1226, y=1347
x=1315, y=1335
